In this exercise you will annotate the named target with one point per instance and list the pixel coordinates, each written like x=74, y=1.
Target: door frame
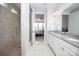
x=45, y=21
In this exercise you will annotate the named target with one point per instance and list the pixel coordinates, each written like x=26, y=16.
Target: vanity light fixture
x=57, y=13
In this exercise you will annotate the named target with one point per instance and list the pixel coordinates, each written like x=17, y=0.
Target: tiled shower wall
x=9, y=32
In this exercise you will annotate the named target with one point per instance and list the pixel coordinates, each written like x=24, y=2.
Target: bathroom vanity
x=63, y=44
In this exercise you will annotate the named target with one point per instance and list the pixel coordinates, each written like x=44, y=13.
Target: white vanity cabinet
x=61, y=47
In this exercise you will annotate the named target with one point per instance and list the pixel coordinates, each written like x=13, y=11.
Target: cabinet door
x=50, y=40
x=60, y=51
x=53, y=42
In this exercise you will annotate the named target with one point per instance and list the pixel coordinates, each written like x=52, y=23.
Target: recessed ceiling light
x=14, y=11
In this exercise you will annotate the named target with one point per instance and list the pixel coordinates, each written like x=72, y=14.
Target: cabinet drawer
x=61, y=47
x=52, y=40
x=71, y=49
x=60, y=51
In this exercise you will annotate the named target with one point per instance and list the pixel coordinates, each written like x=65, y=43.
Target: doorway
x=39, y=27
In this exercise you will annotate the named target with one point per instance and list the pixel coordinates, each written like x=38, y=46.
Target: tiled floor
x=39, y=48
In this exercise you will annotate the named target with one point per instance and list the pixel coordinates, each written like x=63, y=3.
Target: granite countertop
x=71, y=38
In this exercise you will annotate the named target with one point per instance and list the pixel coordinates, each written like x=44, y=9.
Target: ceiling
x=53, y=6
x=74, y=7
x=43, y=6
x=14, y=5
x=18, y=5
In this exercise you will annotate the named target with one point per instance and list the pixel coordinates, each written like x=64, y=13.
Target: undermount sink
x=72, y=39
x=68, y=37
x=75, y=42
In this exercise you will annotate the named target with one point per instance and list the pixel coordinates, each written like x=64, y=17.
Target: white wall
x=53, y=23
x=58, y=23
x=74, y=22
x=33, y=28
x=24, y=28
x=50, y=20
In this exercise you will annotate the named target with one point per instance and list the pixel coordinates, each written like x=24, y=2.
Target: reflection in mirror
x=64, y=23
x=70, y=21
